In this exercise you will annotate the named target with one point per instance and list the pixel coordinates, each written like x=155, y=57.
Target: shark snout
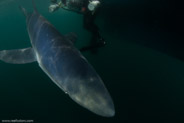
x=105, y=108
x=95, y=98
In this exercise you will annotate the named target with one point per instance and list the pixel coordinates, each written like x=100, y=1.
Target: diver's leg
x=53, y=1
x=96, y=40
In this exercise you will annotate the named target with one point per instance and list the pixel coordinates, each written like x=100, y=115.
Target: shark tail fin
x=24, y=11
x=34, y=5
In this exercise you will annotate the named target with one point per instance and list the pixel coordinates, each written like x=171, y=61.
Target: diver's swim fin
x=94, y=46
x=18, y=56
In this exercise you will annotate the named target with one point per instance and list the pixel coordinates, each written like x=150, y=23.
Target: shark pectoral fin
x=71, y=36
x=18, y=56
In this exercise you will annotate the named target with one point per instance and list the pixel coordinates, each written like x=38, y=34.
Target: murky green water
x=143, y=73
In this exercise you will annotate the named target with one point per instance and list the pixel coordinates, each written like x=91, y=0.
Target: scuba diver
x=89, y=9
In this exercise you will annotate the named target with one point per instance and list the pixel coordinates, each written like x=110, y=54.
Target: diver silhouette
x=89, y=8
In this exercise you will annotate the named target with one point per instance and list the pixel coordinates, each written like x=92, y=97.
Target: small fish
x=63, y=63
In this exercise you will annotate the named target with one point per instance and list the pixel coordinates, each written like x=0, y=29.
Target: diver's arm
x=54, y=7
x=73, y=10
x=60, y=5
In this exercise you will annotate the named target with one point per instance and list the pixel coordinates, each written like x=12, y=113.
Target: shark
x=64, y=64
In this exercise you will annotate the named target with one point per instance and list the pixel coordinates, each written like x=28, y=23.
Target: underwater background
x=142, y=64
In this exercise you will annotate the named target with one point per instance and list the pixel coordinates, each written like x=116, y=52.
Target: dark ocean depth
x=142, y=64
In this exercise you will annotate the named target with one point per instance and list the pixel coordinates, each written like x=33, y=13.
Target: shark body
x=63, y=63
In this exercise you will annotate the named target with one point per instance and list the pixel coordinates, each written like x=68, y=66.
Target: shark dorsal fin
x=71, y=36
x=34, y=6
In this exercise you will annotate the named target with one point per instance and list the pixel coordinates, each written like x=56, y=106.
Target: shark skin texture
x=63, y=63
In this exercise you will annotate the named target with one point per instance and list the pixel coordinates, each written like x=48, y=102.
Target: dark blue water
x=142, y=64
